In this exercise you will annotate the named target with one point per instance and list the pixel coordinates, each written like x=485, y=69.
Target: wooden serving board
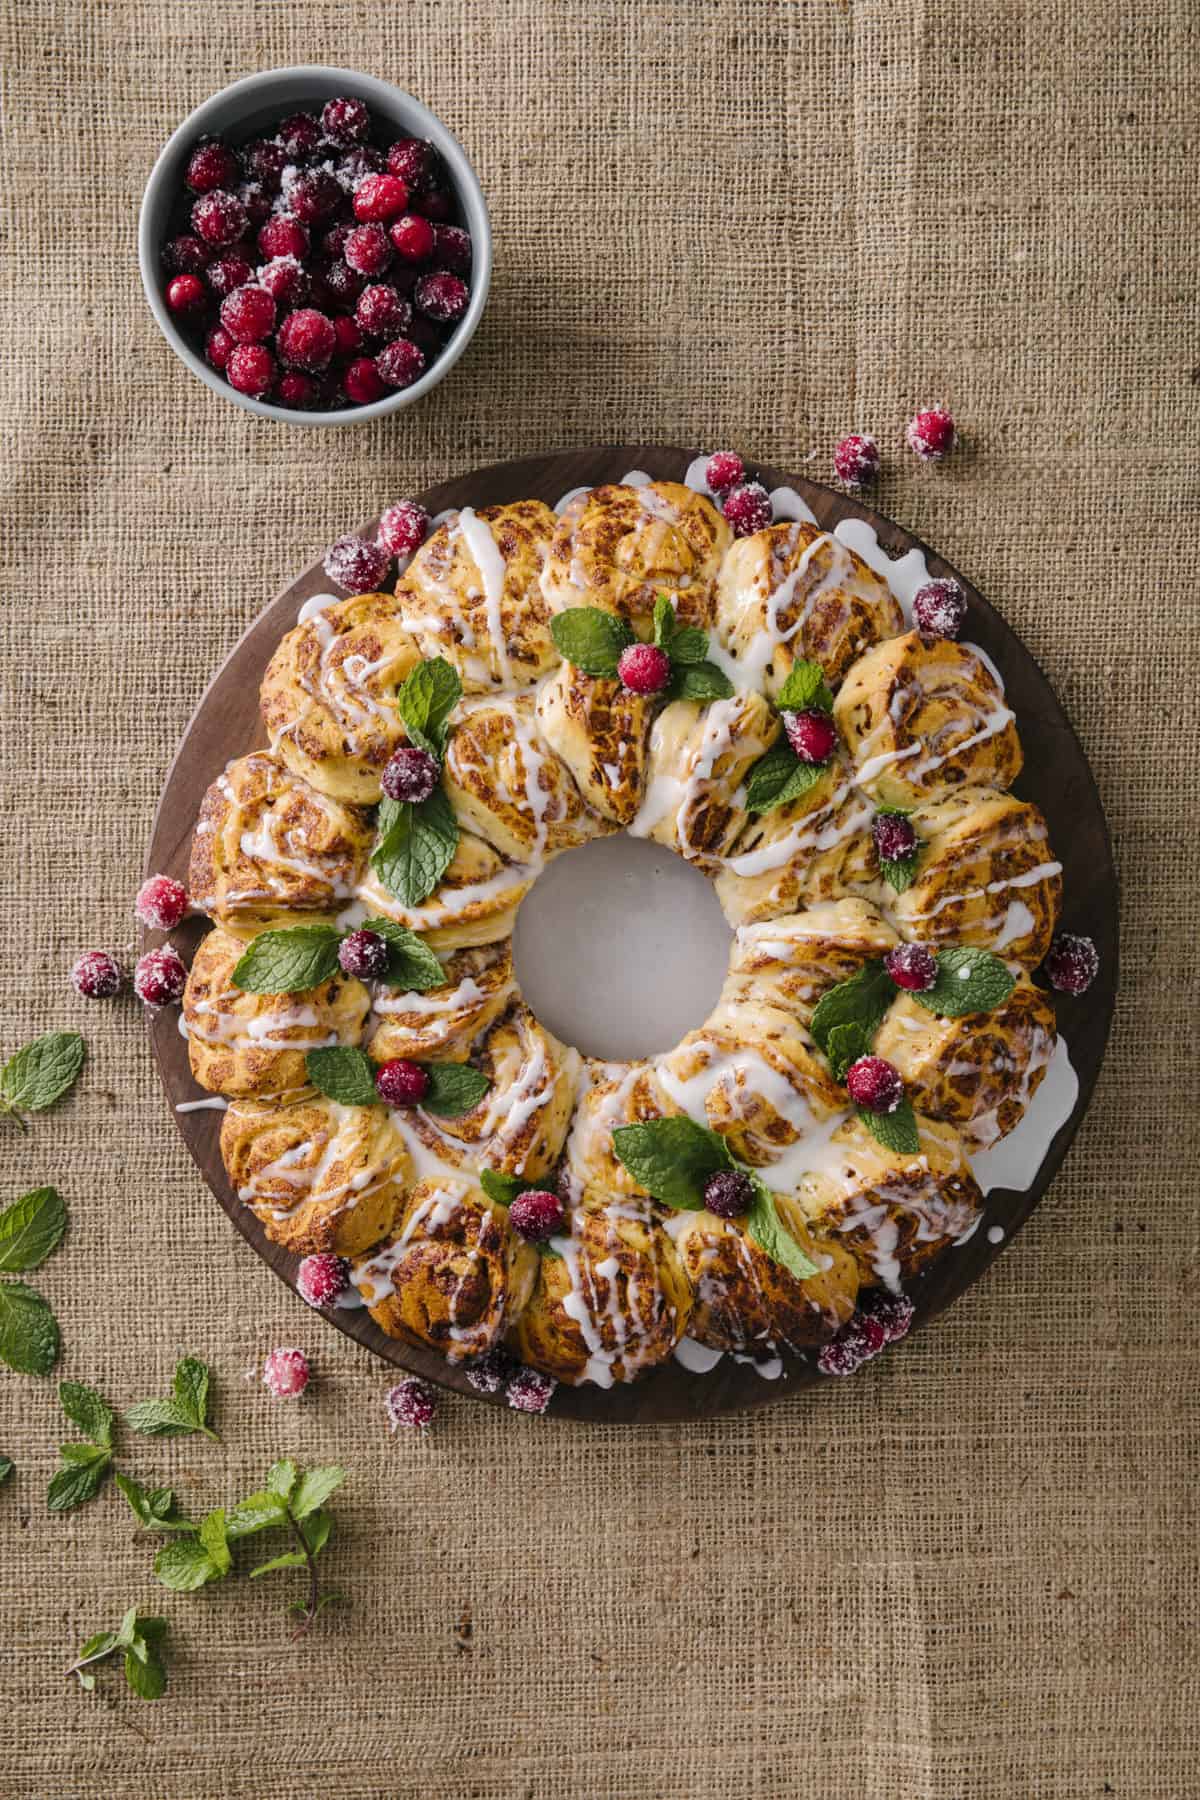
x=1056, y=776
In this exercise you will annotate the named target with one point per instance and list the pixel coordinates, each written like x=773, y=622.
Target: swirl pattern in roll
x=619, y=548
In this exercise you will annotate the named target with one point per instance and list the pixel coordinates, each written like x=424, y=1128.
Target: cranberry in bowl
x=315, y=246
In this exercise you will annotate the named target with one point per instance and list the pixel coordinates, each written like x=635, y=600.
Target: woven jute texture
x=969, y=1572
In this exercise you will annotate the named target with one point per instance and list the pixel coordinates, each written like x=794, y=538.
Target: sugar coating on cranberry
x=729, y=1193
x=856, y=460
x=313, y=196
x=382, y=312
x=161, y=903
x=186, y=255
x=299, y=133
x=442, y=296
x=284, y=236
x=413, y=238
x=248, y=315
x=724, y=470
x=368, y=249
x=861, y=1338
x=402, y=527
x=410, y=775
x=747, y=509
x=811, y=733
x=401, y=1082
x=227, y=274
x=185, y=294
x=893, y=836
x=322, y=1279
x=1072, y=963
x=219, y=217
x=363, y=382
x=413, y=160
x=912, y=967
x=217, y=347
x=96, y=975
x=286, y=1373
x=305, y=340
x=211, y=165
x=356, y=565
x=530, y=1391
x=363, y=955
x=453, y=248
x=159, y=977
x=285, y=281
x=380, y=197
x=841, y=1356
x=939, y=609
x=875, y=1084
x=491, y=1372
x=536, y=1215
x=892, y=1313
x=931, y=433
x=400, y=363
x=345, y=120
x=411, y=1404
x=250, y=369
x=337, y=285
x=265, y=160
x=644, y=669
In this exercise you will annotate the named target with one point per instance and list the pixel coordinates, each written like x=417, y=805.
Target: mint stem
x=8, y=1107
x=307, y=1614
x=95, y=1657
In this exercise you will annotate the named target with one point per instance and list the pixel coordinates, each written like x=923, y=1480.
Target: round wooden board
x=1056, y=776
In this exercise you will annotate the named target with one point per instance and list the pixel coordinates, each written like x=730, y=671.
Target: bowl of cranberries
x=315, y=246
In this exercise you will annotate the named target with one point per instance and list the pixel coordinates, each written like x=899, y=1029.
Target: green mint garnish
x=30, y=1229
x=41, y=1073
x=6, y=1468
x=766, y=1227
x=416, y=846
x=779, y=775
x=895, y=1130
x=504, y=1189
x=28, y=1330
x=805, y=686
x=860, y=1002
x=412, y=965
x=155, y=1509
x=85, y=1466
x=454, y=1088
x=591, y=638
x=425, y=703
x=140, y=1638
x=899, y=871
x=185, y=1412
x=289, y=961
x=347, y=1075
x=968, y=981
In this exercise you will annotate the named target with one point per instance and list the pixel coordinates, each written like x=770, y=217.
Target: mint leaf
x=291, y=1559
x=139, y=1638
x=689, y=645
x=845, y=1044
x=900, y=871
x=503, y=1189
x=28, y=1330
x=699, y=681
x=412, y=965
x=591, y=638
x=290, y=961
x=425, y=703
x=805, y=686
x=30, y=1229
x=454, y=1088
x=211, y=1533
x=664, y=622
x=896, y=1130
x=766, y=1227
x=861, y=1000
x=315, y=1488
x=343, y=1073
x=282, y=1478
x=258, y=1512
x=84, y=1407
x=160, y=1418
x=145, y=1672
x=315, y=1530
x=190, y=1388
x=79, y=1480
x=672, y=1158
x=779, y=776
x=42, y=1072
x=6, y=1468
x=968, y=981
x=155, y=1509
x=185, y=1565
x=416, y=847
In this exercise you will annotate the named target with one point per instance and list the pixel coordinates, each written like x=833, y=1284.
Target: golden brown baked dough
x=475, y=902
x=619, y=547
x=750, y=1304
x=600, y=731
x=699, y=759
x=610, y=1094
x=441, y=1024
x=792, y=961
x=815, y=848
x=505, y=782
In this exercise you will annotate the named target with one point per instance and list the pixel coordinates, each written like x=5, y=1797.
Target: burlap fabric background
x=972, y=1570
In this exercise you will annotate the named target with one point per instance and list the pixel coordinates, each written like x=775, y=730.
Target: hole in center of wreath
x=621, y=948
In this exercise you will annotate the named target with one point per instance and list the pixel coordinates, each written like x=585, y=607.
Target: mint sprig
x=425, y=703
x=860, y=1003
x=895, y=1130
x=155, y=1509
x=898, y=871
x=417, y=842
x=29, y=1230
x=968, y=981
x=346, y=1074
x=185, y=1412
x=298, y=957
x=504, y=1189
x=85, y=1466
x=593, y=640
x=41, y=1073
x=779, y=775
x=140, y=1639
x=765, y=1226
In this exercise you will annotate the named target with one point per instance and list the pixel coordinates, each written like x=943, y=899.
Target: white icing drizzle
x=214, y=1103
x=485, y=551
x=1014, y=1162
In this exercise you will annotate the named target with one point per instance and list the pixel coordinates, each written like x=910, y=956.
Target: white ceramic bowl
x=239, y=112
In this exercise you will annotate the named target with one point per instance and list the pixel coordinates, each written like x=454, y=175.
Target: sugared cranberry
x=368, y=249
x=356, y=565
x=860, y=1339
x=411, y=1404
x=856, y=459
x=435, y=203
x=939, y=609
x=364, y=955
x=257, y=202
x=186, y=255
x=747, y=509
x=351, y=168
x=1072, y=963
x=97, y=975
x=412, y=238
x=347, y=338
x=892, y=1313
x=264, y=161
x=211, y=165
x=300, y=133
x=250, y=369
x=285, y=281
x=284, y=236
x=305, y=340
x=227, y=274
x=285, y=1374
x=912, y=967
x=893, y=836
x=842, y=1356
x=402, y=527
x=410, y=775
x=217, y=347
x=219, y=217
x=401, y=1083
x=248, y=315
x=442, y=296
x=875, y=1084
x=491, y=1372
x=334, y=240
x=728, y=1193
x=313, y=196
x=425, y=335
x=644, y=669
x=400, y=363
x=159, y=977
x=381, y=312
x=530, y=1391
x=322, y=1279
x=363, y=382
x=724, y=470
x=413, y=160
x=345, y=120
x=297, y=391
x=453, y=248
x=185, y=294
x=161, y=903
x=811, y=733
x=338, y=285
x=380, y=197
x=931, y=433
x=536, y=1215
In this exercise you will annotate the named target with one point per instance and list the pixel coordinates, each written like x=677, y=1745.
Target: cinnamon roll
x=505, y=782
x=475, y=902
x=599, y=730
x=619, y=547
x=699, y=759
x=810, y=849
x=790, y=962
x=750, y=1304
x=610, y=1094
x=441, y=1024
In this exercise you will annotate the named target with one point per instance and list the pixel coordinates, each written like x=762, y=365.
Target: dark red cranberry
x=97, y=975
x=186, y=255
x=364, y=955
x=435, y=203
x=347, y=336
x=412, y=238
x=305, y=340
x=453, y=248
x=536, y=1215
x=644, y=669
x=893, y=836
x=159, y=977
x=211, y=165
x=363, y=382
x=339, y=285
x=356, y=565
x=842, y=1356
x=265, y=160
x=724, y=470
x=380, y=197
x=893, y=1314
x=314, y=196
x=322, y=1279
x=381, y=312
x=286, y=282
x=856, y=460
x=257, y=202
x=219, y=218
x=530, y=1391
x=442, y=296
x=875, y=1084
x=912, y=967
x=284, y=236
x=729, y=1193
x=217, y=347
x=334, y=240
x=401, y=1083
x=227, y=274
x=931, y=433
x=368, y=249
x=411, y=1405
x=939, y=609
x=400, y=363
x=747, y=509
x=300, y=134
x=363, y=160
x=410, y=775
x=402, y=527
x=297, y=391
x=161, y=903
x=491, y=1372
x=248, y=315
x=1072, y=963
x=345, y=120
x=811, y=733
x=250, y=369
x=413, y=160
x=186, y=294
